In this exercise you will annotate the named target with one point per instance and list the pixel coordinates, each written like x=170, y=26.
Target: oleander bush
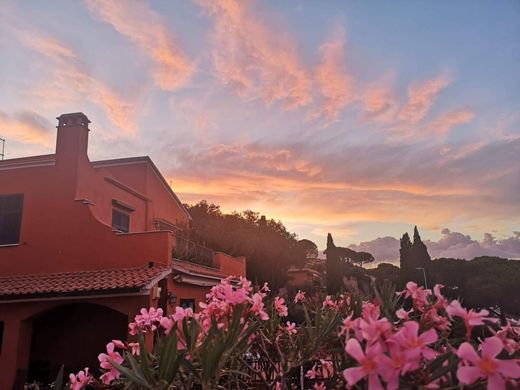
x=239, y=339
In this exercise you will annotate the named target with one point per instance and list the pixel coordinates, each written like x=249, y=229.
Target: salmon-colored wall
x=17, y=317
x=61, y=232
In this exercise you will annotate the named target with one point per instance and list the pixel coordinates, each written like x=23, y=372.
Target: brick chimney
x=72, y=139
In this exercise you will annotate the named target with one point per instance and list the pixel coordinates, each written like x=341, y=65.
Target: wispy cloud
x=254, y=59
x=172, y=68
x=28, y=127
x=421, y=96
x=334, y=83
x=445, y=122
x=70, y=81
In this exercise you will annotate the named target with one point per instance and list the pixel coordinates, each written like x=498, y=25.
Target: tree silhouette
x=334, y=269
x=267, y=245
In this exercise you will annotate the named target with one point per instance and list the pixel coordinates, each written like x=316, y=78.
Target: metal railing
x=192, y=252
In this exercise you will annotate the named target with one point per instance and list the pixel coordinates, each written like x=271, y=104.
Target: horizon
x=359, y=129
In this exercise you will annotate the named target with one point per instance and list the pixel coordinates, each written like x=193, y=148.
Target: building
x=304, y=278
x=83, y=246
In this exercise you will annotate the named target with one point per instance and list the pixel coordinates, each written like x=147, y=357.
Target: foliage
x=240, y=339
x=269, y=248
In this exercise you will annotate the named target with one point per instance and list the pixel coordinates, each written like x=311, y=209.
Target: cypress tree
x=333, y=265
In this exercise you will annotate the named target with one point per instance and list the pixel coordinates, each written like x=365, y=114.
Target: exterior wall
x=229, y=265
x=17, y=317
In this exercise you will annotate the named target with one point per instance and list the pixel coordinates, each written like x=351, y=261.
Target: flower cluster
x=421, y=340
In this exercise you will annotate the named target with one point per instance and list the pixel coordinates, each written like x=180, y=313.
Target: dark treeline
x=269, y=248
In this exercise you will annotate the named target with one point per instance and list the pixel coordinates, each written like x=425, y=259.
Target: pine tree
x=405, y=253
x=420, y=255
x=334, y=276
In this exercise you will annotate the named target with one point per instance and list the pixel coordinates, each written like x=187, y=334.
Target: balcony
x=186, y=250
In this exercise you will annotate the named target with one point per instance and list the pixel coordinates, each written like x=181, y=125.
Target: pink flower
x=486, y=366
x=403, y=314
x=134, y=347
x=471, y=318
x=80, y=380
x=327, y=368
x=258, y=306
x=167, y=324
x=181, y=313
x=328, y=302
x=372, y=364
x=319, y=386
x=441, y=300
x=104, y=362
x=299, y=297
x=433, y=318
x=418, y=294
x=312, y=373
x=415, y=345
x=279, y=305
x=119, y=344
x=291, y=328
x=375, y=330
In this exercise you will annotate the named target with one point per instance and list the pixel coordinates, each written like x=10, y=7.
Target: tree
x=267, y=245
x=405, y=253
x=334, y=269
x=362, y=258
x=308, y=248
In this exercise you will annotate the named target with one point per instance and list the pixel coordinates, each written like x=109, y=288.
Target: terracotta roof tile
x=79, y=283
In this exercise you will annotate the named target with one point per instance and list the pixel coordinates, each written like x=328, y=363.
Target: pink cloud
x=138, y=22
x=379, y=104
x=69, y=81
x=421, y=96
x=254, y=59
x=445, y=122
x=27, y=127
x=334, y=83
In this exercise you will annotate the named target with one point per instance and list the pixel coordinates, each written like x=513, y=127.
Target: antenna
x=3, y=149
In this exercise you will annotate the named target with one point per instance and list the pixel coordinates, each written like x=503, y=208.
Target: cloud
x=254, y=59
x=379, y=104
x=451, y=244
x=334, y=83
x=421, y=96
x=70, y=81
x=445, y=122
x=26, y=126
x=145, y=28
x=458, y=245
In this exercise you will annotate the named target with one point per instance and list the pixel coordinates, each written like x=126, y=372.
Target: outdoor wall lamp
x=172, y=298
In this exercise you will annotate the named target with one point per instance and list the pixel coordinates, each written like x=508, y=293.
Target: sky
x=361, y=119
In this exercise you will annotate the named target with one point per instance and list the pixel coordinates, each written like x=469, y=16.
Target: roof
x=146, y=160
x=98, y=282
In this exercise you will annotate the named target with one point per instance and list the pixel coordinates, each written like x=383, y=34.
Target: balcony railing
x=189, y=251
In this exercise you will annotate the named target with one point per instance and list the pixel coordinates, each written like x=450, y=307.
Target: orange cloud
x=138, y=22
x=421, y=96
x=379, y=104
x=333, y=81
x=445, y=122
x=27, y=127
x=254, y=59
x=69, y=81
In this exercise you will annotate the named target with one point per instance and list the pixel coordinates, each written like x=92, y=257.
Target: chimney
x=72, y=139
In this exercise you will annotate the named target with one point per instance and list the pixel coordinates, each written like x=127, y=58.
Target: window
x=188, y=303
x=10, y=218
x=120, y=221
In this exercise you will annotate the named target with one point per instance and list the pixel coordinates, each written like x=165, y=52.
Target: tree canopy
x=266, y=243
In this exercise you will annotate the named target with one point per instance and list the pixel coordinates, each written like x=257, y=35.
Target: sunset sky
x=357, y=118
